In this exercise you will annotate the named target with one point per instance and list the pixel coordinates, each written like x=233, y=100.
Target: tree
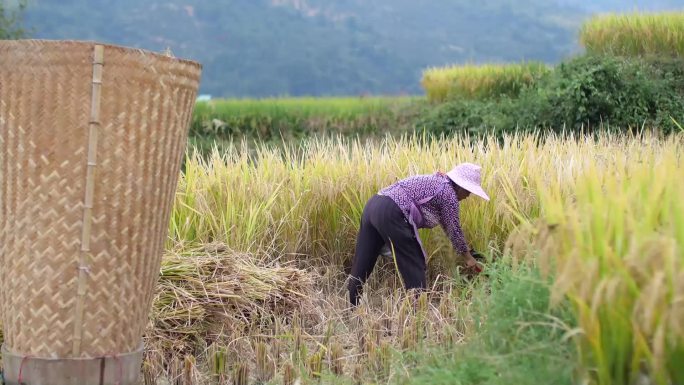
x=10, y=19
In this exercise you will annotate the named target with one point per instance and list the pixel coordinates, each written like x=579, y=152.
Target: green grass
x=480, y=81
x=521, y=338
x=295, y=118
x=635, y=34
x=336, y=107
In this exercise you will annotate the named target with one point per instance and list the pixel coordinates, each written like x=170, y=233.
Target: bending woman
x=393, y=216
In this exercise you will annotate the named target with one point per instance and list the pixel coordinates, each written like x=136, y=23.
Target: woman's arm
x=450, y=220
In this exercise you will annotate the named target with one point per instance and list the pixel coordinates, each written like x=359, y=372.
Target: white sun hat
x=468, y=176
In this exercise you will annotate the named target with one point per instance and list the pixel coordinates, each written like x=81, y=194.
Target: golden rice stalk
x=289, y=375
x=337, y=359
x=241, y=374
x=217, y=358
x=380, y=360
x=298, y=348
x=359, y=373
x=265, y=368
x=176, y=372
x=150, y=374
x=190, y=372
x=315, y=364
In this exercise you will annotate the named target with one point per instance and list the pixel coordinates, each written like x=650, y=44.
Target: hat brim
x=470, y=187
x=477, y=190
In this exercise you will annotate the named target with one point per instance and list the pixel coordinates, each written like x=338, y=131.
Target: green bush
x=623, y=93
x=587, y=93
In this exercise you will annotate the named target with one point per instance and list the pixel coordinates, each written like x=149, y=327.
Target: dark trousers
x=383, y=222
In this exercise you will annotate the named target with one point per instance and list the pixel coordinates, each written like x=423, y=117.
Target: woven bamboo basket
x=91, y=142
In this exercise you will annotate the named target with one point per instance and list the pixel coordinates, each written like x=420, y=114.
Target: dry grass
x=221, y=316
x=212, y=291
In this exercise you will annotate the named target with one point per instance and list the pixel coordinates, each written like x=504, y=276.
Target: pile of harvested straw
x=210, y=291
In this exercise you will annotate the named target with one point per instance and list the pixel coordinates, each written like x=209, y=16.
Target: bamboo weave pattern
x=56, y=144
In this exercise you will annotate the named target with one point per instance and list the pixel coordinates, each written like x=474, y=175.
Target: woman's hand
x=472, y=264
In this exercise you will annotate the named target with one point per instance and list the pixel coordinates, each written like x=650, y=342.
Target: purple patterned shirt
x=443, y=209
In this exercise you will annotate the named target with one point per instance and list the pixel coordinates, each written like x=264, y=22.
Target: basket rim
x=9, y=352
x=106, y=45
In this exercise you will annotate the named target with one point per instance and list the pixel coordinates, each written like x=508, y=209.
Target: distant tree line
x=10, y=20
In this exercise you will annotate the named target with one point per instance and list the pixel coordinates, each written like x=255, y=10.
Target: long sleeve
x=451, y=221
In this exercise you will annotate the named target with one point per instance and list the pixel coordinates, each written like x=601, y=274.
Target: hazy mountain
x=325, y=47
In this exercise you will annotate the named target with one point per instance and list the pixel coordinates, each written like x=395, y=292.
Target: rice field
x=253, y=287
x=583, y=236
x=635, y=34
x=479, y=81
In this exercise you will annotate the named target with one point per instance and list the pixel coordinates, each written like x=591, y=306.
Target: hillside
x=321, y=47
